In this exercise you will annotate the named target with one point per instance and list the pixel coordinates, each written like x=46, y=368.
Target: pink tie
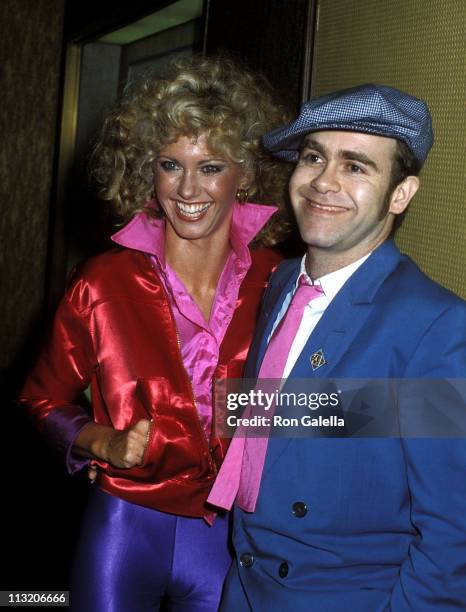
x=241, y=472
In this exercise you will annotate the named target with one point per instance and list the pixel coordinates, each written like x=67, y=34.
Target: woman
x=151, y=324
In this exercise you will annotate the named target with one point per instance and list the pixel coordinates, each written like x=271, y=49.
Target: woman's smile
x=192, y=211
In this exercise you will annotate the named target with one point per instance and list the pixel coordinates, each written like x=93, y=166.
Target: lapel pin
x=317, y=359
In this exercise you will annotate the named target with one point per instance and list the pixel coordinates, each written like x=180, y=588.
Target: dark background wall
x=269, y=36
x=30, y=61
x=86, y=18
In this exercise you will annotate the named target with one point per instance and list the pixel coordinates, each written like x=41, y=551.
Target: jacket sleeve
x=433, y=575
x=62, y=372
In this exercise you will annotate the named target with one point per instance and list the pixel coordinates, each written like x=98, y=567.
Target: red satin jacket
x=115, y=331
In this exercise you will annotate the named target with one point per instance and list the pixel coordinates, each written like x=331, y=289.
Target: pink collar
x=146, y=234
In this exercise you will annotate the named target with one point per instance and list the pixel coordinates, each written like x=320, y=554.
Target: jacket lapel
x=346, y=315
x=339, y=325
x=274, y=298
x=331, y=338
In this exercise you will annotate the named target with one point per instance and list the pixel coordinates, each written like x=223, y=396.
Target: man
x=353, y=525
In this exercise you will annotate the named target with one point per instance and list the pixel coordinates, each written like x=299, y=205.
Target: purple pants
x=134, y=559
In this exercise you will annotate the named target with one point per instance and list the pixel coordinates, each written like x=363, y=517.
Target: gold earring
x=242, y=195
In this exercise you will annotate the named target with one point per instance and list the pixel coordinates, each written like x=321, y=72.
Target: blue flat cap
x=374, y=109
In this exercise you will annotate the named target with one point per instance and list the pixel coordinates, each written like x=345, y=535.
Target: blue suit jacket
x=385, y=527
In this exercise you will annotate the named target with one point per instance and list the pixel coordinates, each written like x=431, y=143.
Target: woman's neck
x=198, y=264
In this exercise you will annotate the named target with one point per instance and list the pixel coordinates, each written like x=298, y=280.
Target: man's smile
x=326, y=208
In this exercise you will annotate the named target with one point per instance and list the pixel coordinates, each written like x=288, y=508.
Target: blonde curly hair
x=195, y=95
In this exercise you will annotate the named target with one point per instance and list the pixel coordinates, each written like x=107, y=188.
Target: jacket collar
x=364, y=282
x=147, y=234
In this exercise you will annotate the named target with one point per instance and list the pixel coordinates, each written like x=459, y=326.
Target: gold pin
x=317, y=359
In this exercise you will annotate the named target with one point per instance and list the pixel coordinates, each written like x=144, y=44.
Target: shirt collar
x=147, y=234
x=332, y=283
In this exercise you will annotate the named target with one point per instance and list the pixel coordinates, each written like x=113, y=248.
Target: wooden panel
x=30, y=49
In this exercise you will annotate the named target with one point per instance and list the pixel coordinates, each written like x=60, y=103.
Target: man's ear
x=403, y=194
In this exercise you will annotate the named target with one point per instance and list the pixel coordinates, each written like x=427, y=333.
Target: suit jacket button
x=299, y=509
x=246, y=560
x=283, y=570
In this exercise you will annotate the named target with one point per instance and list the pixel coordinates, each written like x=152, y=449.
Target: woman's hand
x=122, y=449
x=125, y=449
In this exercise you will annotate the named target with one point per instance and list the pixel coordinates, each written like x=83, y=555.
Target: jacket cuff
x=61, y=428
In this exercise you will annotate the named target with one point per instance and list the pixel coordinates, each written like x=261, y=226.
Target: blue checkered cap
x=374, y=109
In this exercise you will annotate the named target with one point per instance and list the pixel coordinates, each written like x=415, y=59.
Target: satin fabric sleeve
x=62, y=372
